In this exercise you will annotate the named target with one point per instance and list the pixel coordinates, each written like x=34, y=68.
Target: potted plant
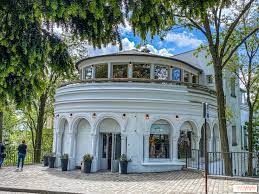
x=52, y=159
x=124, y=164
x=46, y=160
x=87, y=163
x=64, y=162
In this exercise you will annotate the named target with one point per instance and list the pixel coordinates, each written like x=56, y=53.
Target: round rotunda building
x=134, y=103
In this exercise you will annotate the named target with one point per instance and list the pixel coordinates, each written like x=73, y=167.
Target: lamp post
x=205, y=107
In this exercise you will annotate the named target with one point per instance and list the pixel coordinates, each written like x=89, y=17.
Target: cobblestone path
x=36, y=177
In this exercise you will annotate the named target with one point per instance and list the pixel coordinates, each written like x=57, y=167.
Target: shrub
x=64, y=156
x=87, y=157
x=123, y=158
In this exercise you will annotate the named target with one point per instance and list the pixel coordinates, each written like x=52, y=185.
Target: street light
x=205, y=107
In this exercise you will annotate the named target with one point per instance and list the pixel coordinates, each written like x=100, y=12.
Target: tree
x=42, y=109
x=26, y=38
x=210, y=18
x=245, y=66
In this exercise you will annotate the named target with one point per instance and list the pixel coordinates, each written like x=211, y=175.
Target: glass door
x=116, y=152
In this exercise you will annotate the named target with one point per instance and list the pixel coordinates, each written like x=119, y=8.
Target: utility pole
x=205, y=116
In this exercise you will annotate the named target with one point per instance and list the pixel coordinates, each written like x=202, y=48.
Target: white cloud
x=163, y=52
x=126, y=45
x=183, y=39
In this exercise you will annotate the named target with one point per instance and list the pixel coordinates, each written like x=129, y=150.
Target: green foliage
x=64, y=156
x=123, y=158
x=27, y=43
x=25, y=48
x=88, y=157
x=96, y=21
x=156, y=17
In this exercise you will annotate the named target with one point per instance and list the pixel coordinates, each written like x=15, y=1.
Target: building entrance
x=110, y=151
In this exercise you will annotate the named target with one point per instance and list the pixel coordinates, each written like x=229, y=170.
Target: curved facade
x=133, y=103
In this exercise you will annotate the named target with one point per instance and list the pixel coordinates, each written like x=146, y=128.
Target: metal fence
x=195, y=159
x=12, y=157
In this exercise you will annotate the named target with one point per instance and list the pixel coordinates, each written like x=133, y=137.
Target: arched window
x=159, y=140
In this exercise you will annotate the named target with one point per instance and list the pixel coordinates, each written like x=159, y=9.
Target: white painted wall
x=83, y=140
x=111, y=100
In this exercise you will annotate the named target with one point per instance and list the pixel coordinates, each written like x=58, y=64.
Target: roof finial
x=145, y=49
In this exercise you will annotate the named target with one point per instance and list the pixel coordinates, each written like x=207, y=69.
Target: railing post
x=186, y=160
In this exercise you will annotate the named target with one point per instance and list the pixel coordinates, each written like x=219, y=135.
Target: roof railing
x=141, y=80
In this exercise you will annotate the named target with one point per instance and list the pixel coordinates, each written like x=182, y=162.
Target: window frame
x=99, y=65
x=167, y=143
x=165, y=66
x=120, y=64
x=142, y=65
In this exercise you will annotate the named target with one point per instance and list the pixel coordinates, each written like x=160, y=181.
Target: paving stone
x=36, y=177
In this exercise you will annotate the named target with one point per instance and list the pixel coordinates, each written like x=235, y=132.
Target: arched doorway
x=201, y=144
x=83, y=140
x=159, y=140
x=64, y=139
x=109, y=144
x=188, y=133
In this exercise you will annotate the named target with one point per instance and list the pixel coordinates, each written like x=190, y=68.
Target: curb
x=34, y=191
x=238, y=178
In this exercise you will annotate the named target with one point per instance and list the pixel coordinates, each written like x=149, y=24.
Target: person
x=22, y=149
x=2, y=154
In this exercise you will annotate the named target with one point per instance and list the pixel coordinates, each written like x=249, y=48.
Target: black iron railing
x=195, y=159
x=12, y=158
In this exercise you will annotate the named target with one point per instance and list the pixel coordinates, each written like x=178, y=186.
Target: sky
x=176, y=41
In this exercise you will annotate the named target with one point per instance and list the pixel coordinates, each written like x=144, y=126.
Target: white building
x=141, y=105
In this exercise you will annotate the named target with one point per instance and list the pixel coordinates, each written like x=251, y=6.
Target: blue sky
x=176, y=41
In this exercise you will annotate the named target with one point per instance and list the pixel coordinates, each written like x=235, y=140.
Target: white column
x=123, y=144
x=170, y=71
x=182, y=75
x=94, y=153
x=93, y=72
x=59, y=148
x=94, y=139
x=190, y=78
x=146, y=147
x=109, y=70
x=72, y=150
x=130, y=70
x=83, y=73
x=175, y=146
x=152, y=71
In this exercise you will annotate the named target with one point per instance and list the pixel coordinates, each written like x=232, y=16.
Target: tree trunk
x=222, y=120
x=250, y=141
x=40, y=125
x=1, y=125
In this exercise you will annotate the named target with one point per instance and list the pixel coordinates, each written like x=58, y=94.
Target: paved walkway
x=35, y=177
